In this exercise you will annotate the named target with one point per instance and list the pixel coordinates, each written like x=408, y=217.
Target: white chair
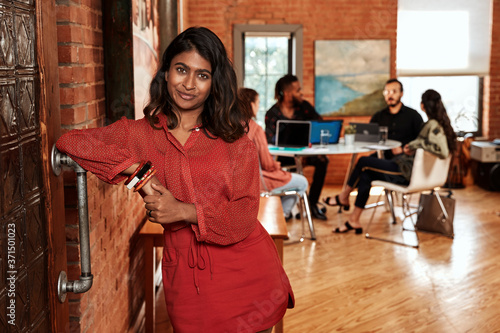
x=428, y=173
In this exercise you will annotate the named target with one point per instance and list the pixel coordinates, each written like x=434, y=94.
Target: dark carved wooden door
x=27, y=215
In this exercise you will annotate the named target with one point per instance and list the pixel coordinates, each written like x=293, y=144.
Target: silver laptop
x=366, y=132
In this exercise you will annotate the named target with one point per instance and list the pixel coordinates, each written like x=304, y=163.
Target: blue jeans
x=298, y=183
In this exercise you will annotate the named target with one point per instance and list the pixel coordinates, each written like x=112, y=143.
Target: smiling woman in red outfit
x=198, y=174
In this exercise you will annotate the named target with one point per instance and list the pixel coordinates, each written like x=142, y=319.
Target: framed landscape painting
x=349, y=76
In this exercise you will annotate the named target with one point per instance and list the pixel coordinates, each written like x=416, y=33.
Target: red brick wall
x=117, y=294
x=321, y=19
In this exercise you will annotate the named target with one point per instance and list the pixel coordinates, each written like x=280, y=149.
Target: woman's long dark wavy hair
x=435, y=109
x=221, y=114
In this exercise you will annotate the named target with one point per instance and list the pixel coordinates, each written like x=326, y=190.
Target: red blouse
x=224, y=272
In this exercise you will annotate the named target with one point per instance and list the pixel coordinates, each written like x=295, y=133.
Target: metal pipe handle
x=85, y=282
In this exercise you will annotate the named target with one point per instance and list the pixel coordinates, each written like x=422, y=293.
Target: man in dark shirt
x=292, y=106
x=403, y=123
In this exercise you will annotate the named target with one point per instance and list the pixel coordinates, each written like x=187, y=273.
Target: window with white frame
x=445, y=45
x=262, y=55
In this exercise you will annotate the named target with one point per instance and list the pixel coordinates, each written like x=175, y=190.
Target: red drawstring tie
x=196, y=259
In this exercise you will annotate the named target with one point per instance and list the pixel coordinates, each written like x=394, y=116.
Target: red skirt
x=211, y=288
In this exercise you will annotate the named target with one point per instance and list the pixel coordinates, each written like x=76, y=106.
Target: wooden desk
x=270, y=215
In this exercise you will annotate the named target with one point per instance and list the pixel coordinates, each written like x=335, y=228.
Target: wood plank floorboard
x=347, y=283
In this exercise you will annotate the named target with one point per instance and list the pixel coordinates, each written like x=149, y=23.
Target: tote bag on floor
x=430, y=216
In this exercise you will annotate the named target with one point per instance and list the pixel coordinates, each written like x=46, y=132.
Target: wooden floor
x=345, y=282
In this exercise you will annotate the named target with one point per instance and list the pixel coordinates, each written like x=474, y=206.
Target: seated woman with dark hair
x=274, y=177
x=437, y=136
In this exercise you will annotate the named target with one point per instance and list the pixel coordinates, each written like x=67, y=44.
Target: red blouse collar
x=163, y=121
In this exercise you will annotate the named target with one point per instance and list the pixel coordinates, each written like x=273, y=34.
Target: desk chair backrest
x=428, y=172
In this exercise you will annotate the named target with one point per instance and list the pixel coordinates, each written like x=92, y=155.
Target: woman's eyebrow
x=201, y=70
x=204, y=71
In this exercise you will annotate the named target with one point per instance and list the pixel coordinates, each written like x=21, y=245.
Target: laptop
x=334, y=126
x=366, y=132
x=293, y=133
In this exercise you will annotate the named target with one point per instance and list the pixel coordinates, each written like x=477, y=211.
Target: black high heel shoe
x=337, y=203
x=349, y=227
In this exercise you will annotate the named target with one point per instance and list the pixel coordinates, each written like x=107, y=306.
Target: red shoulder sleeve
x=104, y=151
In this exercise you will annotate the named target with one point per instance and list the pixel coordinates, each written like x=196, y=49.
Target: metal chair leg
x=367, y=234
x=390, y=200
x=305, y=202
x=302, y=222
x=407, y=213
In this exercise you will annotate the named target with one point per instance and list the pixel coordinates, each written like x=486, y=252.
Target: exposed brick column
x=117, y=294
x=491, y=115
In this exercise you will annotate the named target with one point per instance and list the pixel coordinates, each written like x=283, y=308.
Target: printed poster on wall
x=350, y=76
